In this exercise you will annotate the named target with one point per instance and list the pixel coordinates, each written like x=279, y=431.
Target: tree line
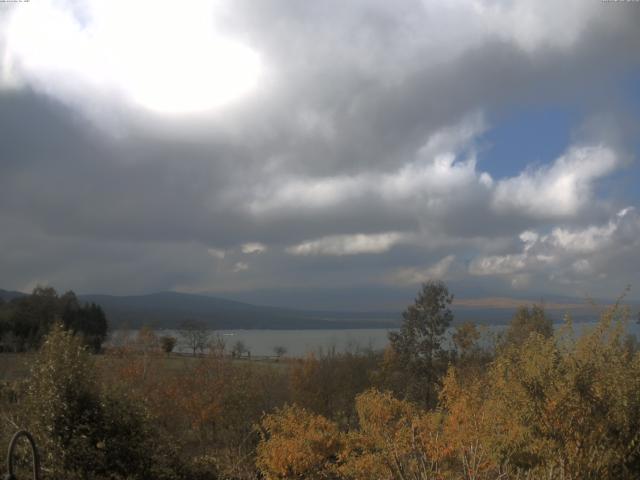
x=26, y=320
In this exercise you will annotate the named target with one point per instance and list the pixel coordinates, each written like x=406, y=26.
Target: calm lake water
x=298, y=343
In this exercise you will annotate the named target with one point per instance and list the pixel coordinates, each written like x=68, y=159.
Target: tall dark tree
x=527, y=321
x=88, y=320
x=33, y=316
x=418, y=346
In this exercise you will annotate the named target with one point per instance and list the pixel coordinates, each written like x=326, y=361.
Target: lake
x=298, y=343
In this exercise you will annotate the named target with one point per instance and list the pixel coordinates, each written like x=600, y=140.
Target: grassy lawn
x=15, y=366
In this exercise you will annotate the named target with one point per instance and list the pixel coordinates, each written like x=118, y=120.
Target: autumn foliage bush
x=547, y=407
x=297, y=444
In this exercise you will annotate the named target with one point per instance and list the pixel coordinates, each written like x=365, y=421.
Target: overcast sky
x=326, y=154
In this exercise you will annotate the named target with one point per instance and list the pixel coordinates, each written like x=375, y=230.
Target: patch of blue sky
x=624, y=185
x=532, y=135
x=631, y=87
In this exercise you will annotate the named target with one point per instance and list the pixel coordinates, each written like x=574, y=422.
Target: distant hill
x=168, y=309
x=500, y=310
x=8, y=295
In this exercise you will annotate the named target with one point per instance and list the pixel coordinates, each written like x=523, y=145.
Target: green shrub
x=84, y=433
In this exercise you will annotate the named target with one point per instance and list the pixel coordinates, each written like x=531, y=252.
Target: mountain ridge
x=168, y=309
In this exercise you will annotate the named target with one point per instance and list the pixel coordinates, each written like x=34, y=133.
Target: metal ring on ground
x=34, y=455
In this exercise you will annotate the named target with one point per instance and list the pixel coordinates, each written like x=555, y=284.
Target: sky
x=321, y=154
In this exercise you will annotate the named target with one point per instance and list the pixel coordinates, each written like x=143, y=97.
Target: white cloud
x=308, y=193
x=453, y=139
x=566, y=255
x=253, y=247
x=442, y=173
x=586, y=240
x=498, y=264
x=216, y=253
x=411, y=276
x=240, y=267
x=559, y=190
x=435, y=173
x=441, y=176
x=535, y=24
x=339, y=245
x=529, y=239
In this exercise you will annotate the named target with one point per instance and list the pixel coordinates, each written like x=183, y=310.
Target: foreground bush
x=545, y=408
x=297, y=444
x=83, y=432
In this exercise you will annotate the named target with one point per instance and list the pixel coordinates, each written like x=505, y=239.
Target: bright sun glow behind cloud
x=164, y=56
